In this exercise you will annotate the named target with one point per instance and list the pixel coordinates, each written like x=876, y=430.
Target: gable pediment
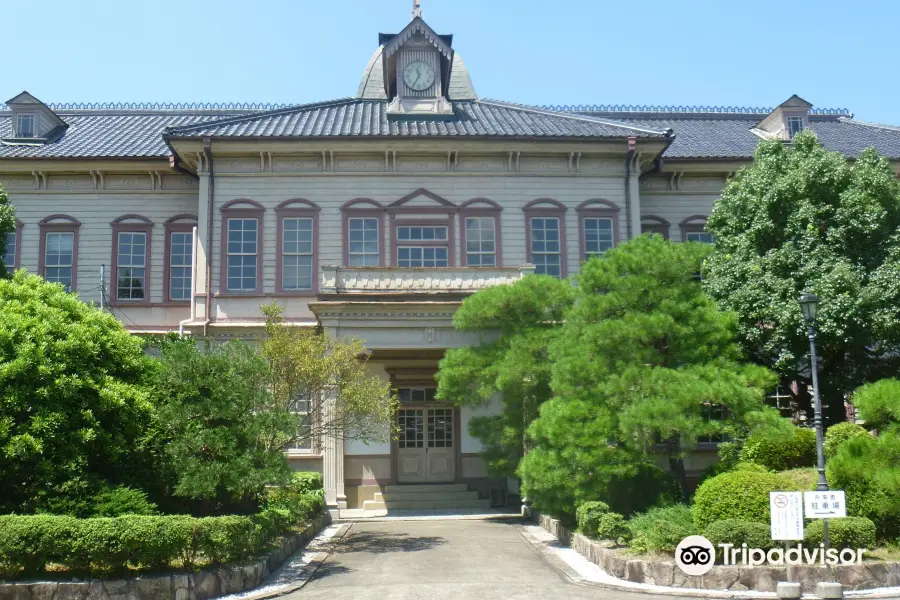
x=422, y=198
x=419, y=27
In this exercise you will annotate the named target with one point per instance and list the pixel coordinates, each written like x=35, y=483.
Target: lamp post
x=808, y=305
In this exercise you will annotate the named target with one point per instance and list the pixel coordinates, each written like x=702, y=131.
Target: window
x=406, y=395
x=713, y=412
x=655, y=225
x=300, y=406
x=25, y=126
x=131, y=265
x=700, y=236
x=693, y=229
x=795, y=126
x=297, y=253
x=363, y=242
x=9, y=250
x=181, y=262
x=243, y=251
x=481, y=241
x=59, y=258
x=423, y=246
x=598, y=235
x=546, y=253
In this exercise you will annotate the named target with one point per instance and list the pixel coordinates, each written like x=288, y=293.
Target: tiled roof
x=351, y=117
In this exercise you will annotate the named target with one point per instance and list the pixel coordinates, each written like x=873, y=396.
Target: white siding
x=471, y=445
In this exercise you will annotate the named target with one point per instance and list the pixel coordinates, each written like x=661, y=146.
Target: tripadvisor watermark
x=695, y=555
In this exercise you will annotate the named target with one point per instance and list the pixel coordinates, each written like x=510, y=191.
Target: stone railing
x=399, y=280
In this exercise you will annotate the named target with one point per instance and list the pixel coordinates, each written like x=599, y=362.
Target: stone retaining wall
x=202, y=585
x=761, y=579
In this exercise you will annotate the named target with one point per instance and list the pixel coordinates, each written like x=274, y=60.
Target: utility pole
x=102, y=287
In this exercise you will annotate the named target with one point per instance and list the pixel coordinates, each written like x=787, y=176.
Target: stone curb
x=206, y=584
x=723, y=582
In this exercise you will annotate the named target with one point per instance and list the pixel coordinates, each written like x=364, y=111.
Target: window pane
x=58, y=258
x=180, y=262
x=9, y=250
x=363, y=242
x=545, y=246
x=598, y=236
x=422, y=233
x=700, y=236
x=480, y=241
x=242, y=249
x=422, y=256
x=26, y=126
x=130, y=265
x=297, y=250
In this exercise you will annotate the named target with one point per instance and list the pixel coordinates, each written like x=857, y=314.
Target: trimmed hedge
x=839, y=433
x=141, y=543
x=588, y=514
x=780, y=454
x=660, y=529
x=742, y=495
x=612, y=526
x=849, y=532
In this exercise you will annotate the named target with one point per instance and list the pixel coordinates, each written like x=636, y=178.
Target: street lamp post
x=808, y=305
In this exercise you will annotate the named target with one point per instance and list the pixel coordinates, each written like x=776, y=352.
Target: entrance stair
x=425, y=496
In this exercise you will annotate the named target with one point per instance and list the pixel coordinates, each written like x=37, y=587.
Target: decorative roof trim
x=417, y=25
x=660, y=108
x=162, y=106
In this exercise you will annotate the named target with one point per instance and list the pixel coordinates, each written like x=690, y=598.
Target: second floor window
x=180, y=264
x=795, y=126
x=297, y=254
x=598, y=235
x=131, y=266
x=700, y=236
x=25, y=126
x=242, y=250
x=423, y=246
x=481, y=242
x=546, y=250
x=9, y=251
x=59, y=258
x=363, y=243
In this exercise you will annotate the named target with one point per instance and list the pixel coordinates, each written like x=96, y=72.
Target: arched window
x=363, y=221
x=179, y=258
x=598, y=227
x=545, y=236
x=58, y=258
x=479, y=226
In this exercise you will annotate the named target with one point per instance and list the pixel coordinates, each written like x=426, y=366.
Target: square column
x=333, y=457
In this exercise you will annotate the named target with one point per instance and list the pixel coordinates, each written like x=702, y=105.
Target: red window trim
x=480, y=207
x=68, y=225
x=547, y=207
x=183, y=223
x=362, y=208
x=236, y=209
x=593, y=209
x=656, y=225
x=296, y=208
x=124, y=224
x=692, y=224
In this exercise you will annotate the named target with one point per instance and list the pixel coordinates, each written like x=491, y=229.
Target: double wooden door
x=426, y=448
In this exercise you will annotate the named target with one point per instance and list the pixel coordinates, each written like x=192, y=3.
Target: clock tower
x=417, y=64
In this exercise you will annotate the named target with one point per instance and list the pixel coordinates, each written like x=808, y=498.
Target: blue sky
x=725, y=52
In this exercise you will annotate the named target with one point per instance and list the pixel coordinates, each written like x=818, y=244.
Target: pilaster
x=333, y=457
x=634, y=194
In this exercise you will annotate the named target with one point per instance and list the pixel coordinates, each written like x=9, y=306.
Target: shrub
x=306, y=481
x=588, y=514
x=122, y=500
x=140, y=543
x=805, y=479
x=612, y=527
x=850, y=532
x=660, y=529
x=879, y=403
x=740, y=495
x=779, y=454
x=839, y=433
x=868, y=469
x=737, y=532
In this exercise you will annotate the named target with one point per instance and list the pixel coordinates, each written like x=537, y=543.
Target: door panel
x=411, y=450
x=441, y=456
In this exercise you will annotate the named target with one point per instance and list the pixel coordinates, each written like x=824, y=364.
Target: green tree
x=73, y=399
x=225, y=432
x=516, y=324
x=803, y=218
x=7, y=225
x=323, y=384
x=644, y=358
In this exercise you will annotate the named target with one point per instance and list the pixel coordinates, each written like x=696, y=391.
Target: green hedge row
x=142, y=543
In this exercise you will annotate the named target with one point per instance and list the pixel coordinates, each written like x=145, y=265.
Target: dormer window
x=795, y=126
x=25, y=126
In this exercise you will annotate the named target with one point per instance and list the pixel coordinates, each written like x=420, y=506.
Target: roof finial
x=417, y=10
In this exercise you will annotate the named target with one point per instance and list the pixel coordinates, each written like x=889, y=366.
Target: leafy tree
x=226, y=433
x=803, y=218
x=517, y=323
x=307, y=369
x=73, y=399
x=644, y=358
x=7, y=225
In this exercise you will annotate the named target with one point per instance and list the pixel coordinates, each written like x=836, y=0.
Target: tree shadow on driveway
x=378, y=542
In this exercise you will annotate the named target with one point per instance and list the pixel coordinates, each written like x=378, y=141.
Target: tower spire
x=417, y=9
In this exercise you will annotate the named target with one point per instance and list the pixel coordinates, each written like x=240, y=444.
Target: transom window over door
x=546, y=247
x=297, y=253
x=363, y=243
x=423, y=246
x=243, y=251
x=481, y=241
x=131, y=265
x=59, y=258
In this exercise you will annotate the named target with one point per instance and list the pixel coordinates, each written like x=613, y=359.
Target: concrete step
x=426, y=487
x=424, y=496
x=426, y=505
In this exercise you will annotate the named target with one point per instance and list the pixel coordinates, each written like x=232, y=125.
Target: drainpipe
x=629, y=158
x=193, y=285
x=207, y=150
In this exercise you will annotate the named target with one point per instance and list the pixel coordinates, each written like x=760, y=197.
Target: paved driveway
x=438, y=559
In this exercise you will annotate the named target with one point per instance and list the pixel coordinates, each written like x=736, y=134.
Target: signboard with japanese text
x=786, y=515
x=825, y=505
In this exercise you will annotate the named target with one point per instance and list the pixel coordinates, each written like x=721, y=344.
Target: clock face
x=418, y=76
